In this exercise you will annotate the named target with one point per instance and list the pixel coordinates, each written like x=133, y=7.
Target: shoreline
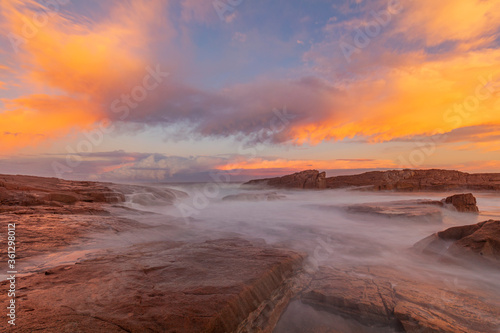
x=103, y=247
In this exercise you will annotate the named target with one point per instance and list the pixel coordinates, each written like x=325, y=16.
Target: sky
x=189, y=90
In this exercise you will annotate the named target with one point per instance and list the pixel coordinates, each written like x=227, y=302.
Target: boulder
x=473, y=243
x=463, y=203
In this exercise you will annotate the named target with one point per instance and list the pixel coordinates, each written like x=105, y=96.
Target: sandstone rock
x=30, y=191
x=157, y=287
x=42, y=232
x=479, y=241
x=416, y=210
x=395, y=180
x=51, y=213
x=463, y=202
x=62, y=198
x=309, y=179
x=382, y=296
x=418, y=180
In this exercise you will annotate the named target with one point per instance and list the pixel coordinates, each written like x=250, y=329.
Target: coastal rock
x=393, y=180
x=463, y=202
x=62, y=198
x=309, y=179
x=382, y=296
x=44, y=232
x=51, y=213
x=30, y=191
x=161, y=287
x=416, y=210
x=476, y=242
x=418, y=180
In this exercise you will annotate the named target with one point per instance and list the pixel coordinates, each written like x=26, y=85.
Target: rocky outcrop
x=45, y=232
x=214, y=286
x=465, y=203
x=383, y=296
x=476, y=242
x=309, y=179
x=30, y=191
x=51, y=213
x=418, y=180
x=416, y=210
x=396, y=180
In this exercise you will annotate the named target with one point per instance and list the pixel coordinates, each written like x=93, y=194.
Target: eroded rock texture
x=160, y=287
x=382, y=296
x=474, y=242
x=397, y=180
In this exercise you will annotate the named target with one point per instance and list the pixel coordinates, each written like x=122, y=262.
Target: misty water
x=312, y=222
x=316, y=223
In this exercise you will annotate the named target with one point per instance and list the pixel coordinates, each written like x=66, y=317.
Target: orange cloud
x=425, y=97
x=473, y=22
x=409, y=90
x=79, y=67
x=259, y=163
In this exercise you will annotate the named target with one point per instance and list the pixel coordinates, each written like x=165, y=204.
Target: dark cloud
x=262, y=111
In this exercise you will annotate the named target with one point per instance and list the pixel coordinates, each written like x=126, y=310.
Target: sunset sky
x=172, y=90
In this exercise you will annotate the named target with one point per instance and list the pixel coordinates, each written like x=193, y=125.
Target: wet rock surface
x=417, y=210
x=160, y=287
x=51, y=213
x=474, y=242
x=30, y=191
x=42, y=233
x=385, y=297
